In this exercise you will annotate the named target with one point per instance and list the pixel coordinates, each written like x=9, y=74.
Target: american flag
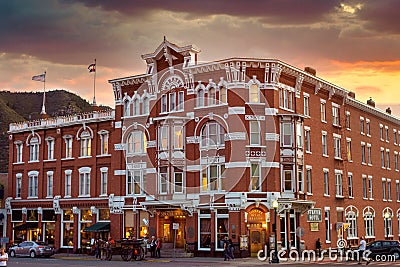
x=92, y=67
x=39, y=78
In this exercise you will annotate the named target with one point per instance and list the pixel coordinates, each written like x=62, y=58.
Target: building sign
x=314, y=227
x=256, y=216
x=314, y=215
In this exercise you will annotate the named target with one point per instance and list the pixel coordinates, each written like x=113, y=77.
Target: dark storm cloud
x=273, y=11
x=381, y=16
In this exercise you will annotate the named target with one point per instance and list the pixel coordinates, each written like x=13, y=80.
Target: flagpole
x=44, y=96
x=94, y=83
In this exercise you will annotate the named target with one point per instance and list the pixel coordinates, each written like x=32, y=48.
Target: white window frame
x=103, y=181
x=335, y=114
x=307, y=139
x=33, y=185
x=363, y=154
x=104, y=137
x=179, y=186
x=326, y=182
x=68, y=183
x=50, y=184
x=18, y=185
x=306, y=104
x=68, y=146
x=287, y=137
x=254, y=93
x=84, y=181
x=369, y=215
x=86, y=144
x=370, y=188
x=19, y=146
x=254, y=129
x=206, y=178
x=323, y=110
x=350, y=184
x=206, y=136
x=336, y=146
x=178, y=137
x=365, y=186
x=339, y=183
x=181, y=100
x=308, y=180
x=135, y=179
x=324, y=144
x=255, y=177
x=164, y=104
x=163, y=137
x=34, y=149
x=163, y=182
x=172, y=102
x=50, y=148
x=137, y=143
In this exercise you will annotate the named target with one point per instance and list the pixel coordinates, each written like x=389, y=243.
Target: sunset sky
x=353, y=44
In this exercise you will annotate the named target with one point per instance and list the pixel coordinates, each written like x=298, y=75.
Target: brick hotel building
x=197, y=151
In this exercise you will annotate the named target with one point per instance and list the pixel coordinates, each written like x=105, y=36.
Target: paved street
x=89, y=261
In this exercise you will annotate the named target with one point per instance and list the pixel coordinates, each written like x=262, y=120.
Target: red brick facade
x=202, y=151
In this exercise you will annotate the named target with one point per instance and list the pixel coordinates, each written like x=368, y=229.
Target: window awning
x=26, y=226
x=98, y=227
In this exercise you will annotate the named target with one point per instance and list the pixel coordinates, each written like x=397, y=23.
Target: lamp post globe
x=275, y=258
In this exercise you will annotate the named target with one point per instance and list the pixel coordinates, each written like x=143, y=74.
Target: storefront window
x=222, y=228
x=67, y=228
x=104, y=215
x=86, y=221
x=48, y=219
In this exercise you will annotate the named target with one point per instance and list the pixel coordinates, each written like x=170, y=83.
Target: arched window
x=86, y=144
x=34, y=149
x=254, y=93
x=388, y=222
x=211, y=96
x=369, y=214
x=136, y=107
x=223, y=95
x=200, y=98
x=351, y=214
x=212, y=135
x=136, y=142
x=146, y=107
x=127, y=108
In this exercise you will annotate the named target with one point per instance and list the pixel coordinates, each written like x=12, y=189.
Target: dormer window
x=200, y=98
x=146, y=105
x=136, y=107
x=223, y=95
x=127, y=108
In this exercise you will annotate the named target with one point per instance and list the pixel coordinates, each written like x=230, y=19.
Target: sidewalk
x=237, y=262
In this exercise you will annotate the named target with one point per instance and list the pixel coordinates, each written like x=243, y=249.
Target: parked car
x=384, y=247
x=31, y=249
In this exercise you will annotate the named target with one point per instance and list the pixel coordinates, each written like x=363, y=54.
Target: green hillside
x=21, y=106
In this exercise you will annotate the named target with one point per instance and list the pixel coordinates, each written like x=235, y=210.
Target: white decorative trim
x=190, y=115
x=119, y=172
x=237, y=164
x=235, y=136
x=30, y=173
x=271, y=111
x=236, y=110
x=271, y=137
x=192, y=168
x=254, y=118
x=151, y=170
x=118, y=125
x=270, y=164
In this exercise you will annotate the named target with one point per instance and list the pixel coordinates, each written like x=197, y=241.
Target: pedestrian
x=153, y=246
x=3, y=257
x=226, y=249
x=231, y=249
x=146, y=244
x=318, y=247
x=158, y=248
x=361, y=249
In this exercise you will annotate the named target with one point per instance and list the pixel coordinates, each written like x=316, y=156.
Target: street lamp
x=275, y=258
x=387, y=216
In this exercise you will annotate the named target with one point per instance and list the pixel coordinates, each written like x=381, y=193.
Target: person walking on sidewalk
x=318, y=247
x=3, y=257
x=158, y=248
x=361, y=249
x=153, y=246
x=226, y=249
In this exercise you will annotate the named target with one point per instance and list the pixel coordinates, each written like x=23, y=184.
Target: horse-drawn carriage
x=127, y=248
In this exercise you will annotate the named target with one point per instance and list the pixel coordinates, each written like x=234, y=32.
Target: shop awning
x=98, y=227
x=26, y=226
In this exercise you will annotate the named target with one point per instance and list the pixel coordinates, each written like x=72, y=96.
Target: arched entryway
x=257, y=229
